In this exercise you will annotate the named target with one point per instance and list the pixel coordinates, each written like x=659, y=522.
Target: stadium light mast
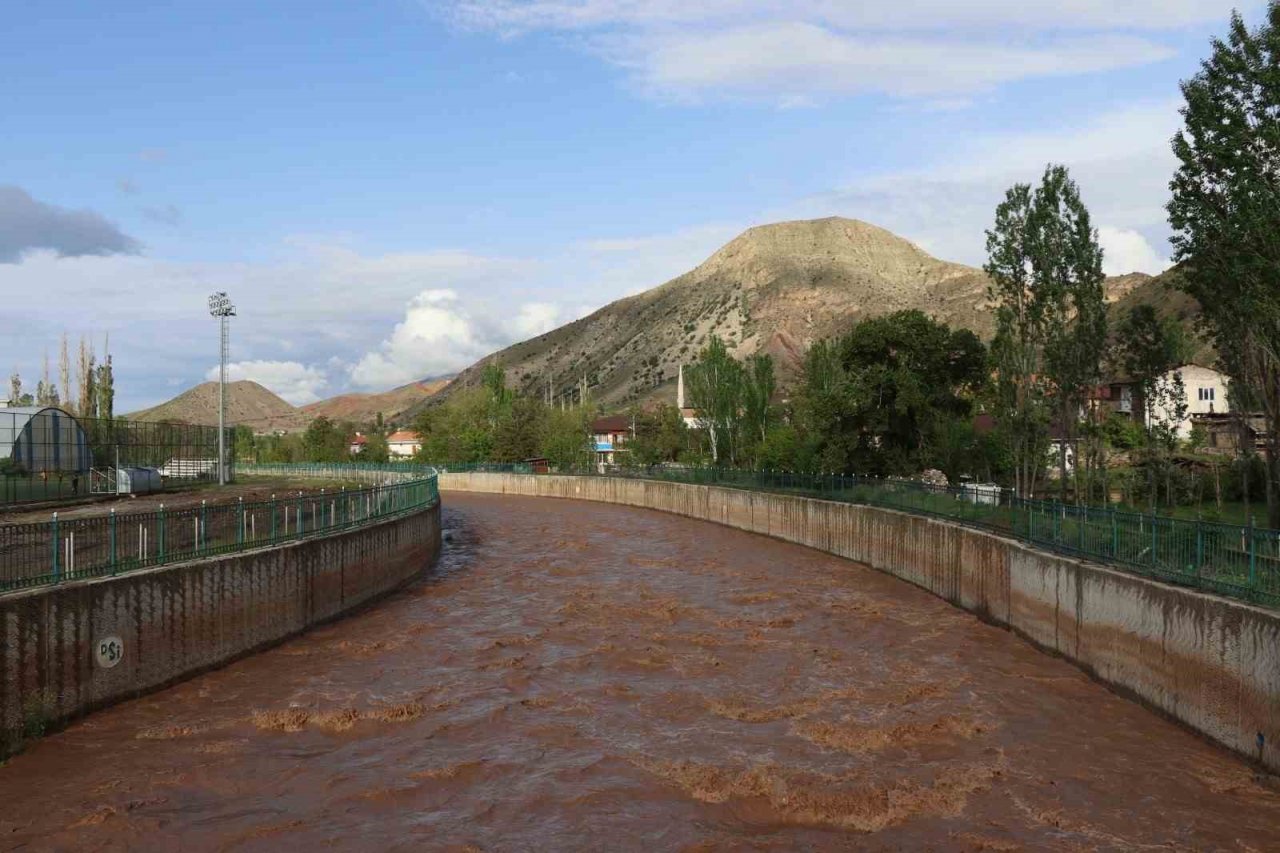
x=220, y=306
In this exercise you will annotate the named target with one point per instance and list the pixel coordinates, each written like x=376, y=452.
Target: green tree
x=874, y=400
x=105, y=386
x=566, y=439
x=660, y=436
x=460, y=429
x=715, y=386
x=1150, y=351
x=244, y=444
x=1046, y=280
x=759, y=386
x=325, y=441
x=518, y=434
x=1225, y=213
x=1066, y=247
x=375, y=448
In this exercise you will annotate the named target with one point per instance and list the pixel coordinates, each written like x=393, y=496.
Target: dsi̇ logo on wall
x=108, y=651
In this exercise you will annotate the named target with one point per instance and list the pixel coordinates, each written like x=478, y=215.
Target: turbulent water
x=583, y=676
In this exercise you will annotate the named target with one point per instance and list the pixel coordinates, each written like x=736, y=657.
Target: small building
x=538, y=464
x=1204, y=389
x=403, y=443
x=1232, y=433
x=687, y=414
x=358, y=442
x=609, y=436
x=43, y=440
x=138, y=481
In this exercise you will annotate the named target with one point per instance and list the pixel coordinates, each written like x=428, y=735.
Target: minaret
x=680, y=389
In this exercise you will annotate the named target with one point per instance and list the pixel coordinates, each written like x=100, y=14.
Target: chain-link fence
x=48, y=455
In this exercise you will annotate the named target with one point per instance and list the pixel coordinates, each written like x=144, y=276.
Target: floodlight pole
x=220, y=306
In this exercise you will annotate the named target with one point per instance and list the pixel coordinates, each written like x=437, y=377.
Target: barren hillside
x=775, y=288
x=248, y=403
x=361, y=408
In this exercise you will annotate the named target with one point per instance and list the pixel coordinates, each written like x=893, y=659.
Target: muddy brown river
x=584, y=676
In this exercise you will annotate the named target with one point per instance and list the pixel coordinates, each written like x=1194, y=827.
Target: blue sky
x=391, y=189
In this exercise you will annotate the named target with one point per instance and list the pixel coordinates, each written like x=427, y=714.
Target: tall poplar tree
x=1046, y=280
x=715, y=386
x=1225, y=213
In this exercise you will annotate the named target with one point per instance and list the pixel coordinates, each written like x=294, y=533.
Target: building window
x=1206, y=394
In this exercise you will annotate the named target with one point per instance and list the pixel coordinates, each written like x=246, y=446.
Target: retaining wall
x=1212, y=663
x=177, y=620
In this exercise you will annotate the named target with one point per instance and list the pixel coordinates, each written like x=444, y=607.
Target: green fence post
x=1155, y=541
x=299, y=518
x=1253, y=555
x=1199, y=543
x=57, y=569
x=273, y=519
x=160, y=541
x=241, y=528
x=200, y=546
x=112, y=524
x=1115, y=535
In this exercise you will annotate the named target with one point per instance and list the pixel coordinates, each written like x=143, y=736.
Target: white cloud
x=437, y=335
x=791, y=63
x=536, y=318
x=295, y=382
x=790, y=52
x=524, y=15
x=441, y=334
x=316, y=303
x=1125, y=251
x=1120, y=159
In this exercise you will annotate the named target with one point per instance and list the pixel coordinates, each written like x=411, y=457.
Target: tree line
x=94, y=393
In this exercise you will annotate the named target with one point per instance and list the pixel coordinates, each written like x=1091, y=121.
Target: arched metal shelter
x=43, y=439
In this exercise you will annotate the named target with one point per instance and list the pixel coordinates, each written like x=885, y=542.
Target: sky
x=392, y=189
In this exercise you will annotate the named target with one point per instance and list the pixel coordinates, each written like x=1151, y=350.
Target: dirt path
x=584, y=676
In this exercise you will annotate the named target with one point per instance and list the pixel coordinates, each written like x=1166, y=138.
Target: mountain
x=1162, y=292
x=363, y=408
x=775, y=288
x=248, y=403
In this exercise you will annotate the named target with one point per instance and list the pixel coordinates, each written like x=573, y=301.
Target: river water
x=585, y=676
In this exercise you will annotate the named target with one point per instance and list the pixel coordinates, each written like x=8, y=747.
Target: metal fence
x=1238, y=561
x=48, y=455
x=72, y=548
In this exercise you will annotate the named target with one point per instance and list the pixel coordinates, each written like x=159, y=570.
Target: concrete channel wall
x=57, y=658
x=1209, y=662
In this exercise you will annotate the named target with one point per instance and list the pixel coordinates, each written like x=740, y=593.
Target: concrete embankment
x=1209, y=662
x=76, y=646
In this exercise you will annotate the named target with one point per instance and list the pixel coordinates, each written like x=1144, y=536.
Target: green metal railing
x=64, y=549
x=1238, y=561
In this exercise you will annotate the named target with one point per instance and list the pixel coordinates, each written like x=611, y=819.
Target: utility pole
x=220, y=306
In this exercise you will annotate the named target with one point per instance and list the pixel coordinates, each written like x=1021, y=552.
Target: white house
x=1206, y=393
x=403, y=443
